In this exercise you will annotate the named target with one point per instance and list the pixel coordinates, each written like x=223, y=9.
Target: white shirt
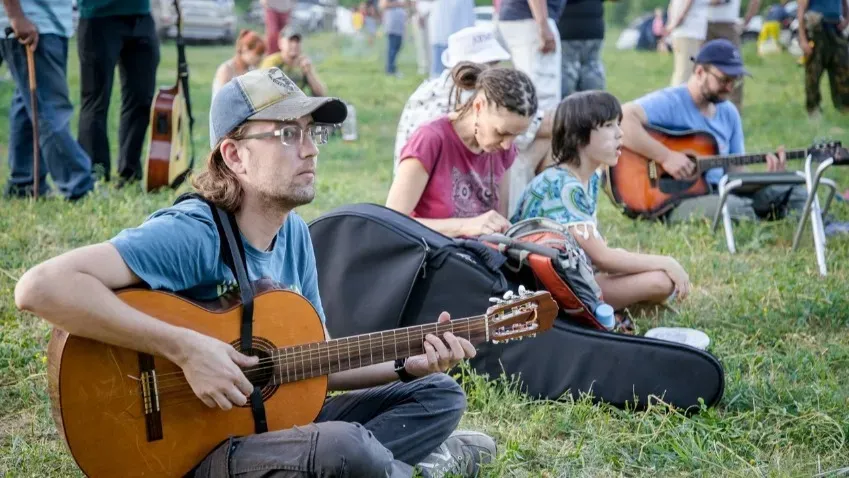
x=728, y=12
x=694, y=24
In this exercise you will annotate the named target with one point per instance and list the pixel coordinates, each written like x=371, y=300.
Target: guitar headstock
x=821, y=151
x=517, y=316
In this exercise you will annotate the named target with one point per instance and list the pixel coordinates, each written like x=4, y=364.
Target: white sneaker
x=692, y=337
x=461, y=453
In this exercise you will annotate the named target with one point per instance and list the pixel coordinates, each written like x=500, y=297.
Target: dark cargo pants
x=382, y=431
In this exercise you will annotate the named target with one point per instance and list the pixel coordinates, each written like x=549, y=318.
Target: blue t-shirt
x=558, y=195
x=510, y=10
x=177, y=249
x=49, y=17
x=830, y=9
x=673, y=108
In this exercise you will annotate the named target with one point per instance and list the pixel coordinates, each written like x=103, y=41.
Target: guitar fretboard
x=321, y=358
x=709, y=162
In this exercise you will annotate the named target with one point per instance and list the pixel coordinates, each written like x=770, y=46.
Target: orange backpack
x=559, y=265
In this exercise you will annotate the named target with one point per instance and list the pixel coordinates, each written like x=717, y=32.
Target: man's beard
x=712, y=96
x=293, y=198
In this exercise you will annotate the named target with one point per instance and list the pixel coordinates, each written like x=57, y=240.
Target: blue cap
x=722, y=54
x=267, y=94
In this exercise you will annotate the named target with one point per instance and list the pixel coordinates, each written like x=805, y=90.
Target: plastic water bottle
x=349, y=126
x=604, y=314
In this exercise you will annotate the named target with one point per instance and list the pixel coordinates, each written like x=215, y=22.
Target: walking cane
x=34, y=105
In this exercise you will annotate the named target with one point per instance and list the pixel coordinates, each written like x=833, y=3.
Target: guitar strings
x=470, y=326
x=172, y=389
x=336, y=345
x=179, y=390
x=308, y=355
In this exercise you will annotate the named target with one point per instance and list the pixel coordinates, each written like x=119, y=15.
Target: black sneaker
x=461, y=454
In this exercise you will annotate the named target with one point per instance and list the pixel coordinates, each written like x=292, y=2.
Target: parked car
x=206, y=20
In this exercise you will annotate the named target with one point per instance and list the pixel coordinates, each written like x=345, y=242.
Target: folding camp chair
x=750, y=182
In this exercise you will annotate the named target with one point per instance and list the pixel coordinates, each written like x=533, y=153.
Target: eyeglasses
x=733, y=81
x=292, y=135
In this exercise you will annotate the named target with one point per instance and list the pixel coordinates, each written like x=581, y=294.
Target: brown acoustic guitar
x=170, y=151
x=129, y=414
x=643, y=189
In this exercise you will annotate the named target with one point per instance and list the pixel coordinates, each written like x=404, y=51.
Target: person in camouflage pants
x=825, y=48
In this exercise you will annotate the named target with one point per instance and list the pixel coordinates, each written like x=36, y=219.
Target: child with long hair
x=450, y=172
x=250, y=48
x=586, y=137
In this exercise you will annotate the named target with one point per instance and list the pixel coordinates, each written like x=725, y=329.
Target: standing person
x=447, y=17
x=264, y=134
x=46, y=26
x=451, y=173
x=529, y=28
x=723, y=23
x=114, y=32
x=277, y=16
x=821, y=25
x=421, y=36
x=687, y=27
x=581, y=28
x=394, y=26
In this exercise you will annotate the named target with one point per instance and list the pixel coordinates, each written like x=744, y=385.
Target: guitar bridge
x=150, y=398
x=653, y=174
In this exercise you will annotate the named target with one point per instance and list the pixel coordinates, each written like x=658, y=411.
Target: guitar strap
x=183, y=69
x=227, y=228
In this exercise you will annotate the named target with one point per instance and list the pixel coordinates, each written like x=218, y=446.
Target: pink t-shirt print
x=459, y=183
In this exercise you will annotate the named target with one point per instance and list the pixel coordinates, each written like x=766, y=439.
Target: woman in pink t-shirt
x=450, y=170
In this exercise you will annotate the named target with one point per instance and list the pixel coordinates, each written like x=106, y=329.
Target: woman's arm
x=406, y=190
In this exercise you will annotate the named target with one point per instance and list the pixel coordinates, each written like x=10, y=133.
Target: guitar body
x=97, y=397
x=169, y=149
x=643, y=189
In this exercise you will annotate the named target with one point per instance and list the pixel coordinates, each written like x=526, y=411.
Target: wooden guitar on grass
x=643, y=189
x=129, y=414
x=170, y=151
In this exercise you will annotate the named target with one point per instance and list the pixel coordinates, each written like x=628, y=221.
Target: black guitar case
x=389, y=271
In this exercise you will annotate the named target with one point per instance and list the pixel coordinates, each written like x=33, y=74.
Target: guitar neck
x=321, y=358
x=744, y=159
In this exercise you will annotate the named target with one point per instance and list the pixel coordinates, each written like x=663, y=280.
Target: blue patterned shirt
x=558, y=195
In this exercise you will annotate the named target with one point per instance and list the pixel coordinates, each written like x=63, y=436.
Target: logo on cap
x=282, y=82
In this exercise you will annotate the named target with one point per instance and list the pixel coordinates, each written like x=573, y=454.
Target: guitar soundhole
x=261, y=375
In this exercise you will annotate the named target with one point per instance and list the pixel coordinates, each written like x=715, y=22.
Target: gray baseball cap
x=267, y=94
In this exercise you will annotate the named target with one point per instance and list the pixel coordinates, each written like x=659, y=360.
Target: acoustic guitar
x=129, y=414
x=170, y=151
x=643, y=189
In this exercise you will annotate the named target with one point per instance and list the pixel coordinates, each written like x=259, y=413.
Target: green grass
x=779, y=328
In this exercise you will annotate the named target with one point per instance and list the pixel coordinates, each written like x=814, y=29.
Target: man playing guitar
x=264, y=134
x=703, y=104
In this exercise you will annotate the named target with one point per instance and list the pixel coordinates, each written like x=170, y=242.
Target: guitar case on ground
x=390, y=271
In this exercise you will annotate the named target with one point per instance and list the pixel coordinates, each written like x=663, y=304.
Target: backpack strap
x=227, y=230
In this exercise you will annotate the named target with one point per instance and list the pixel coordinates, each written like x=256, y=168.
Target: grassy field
x=779, y=328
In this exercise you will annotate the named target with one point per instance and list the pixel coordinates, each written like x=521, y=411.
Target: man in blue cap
x=264, y=135
x=703, y=104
